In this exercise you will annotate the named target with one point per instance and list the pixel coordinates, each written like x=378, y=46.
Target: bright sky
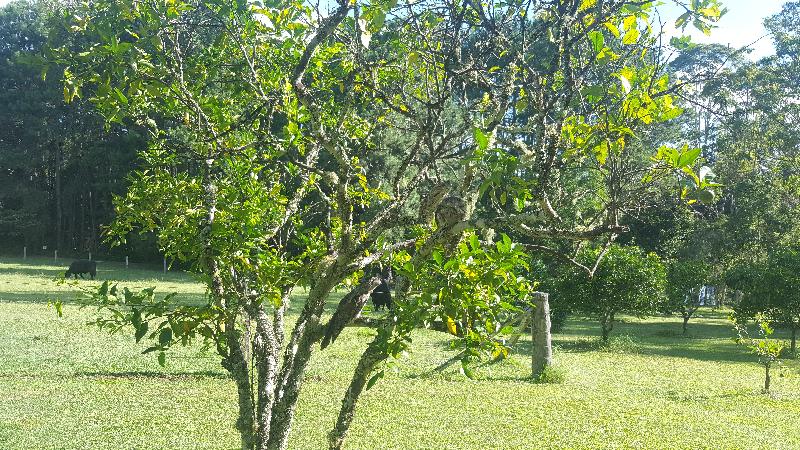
x=742, y=26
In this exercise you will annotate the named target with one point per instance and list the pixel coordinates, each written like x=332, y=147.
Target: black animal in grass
x=381, y=296
x=81, y=267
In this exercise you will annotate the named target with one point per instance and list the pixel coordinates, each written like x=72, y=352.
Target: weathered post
x=542, y=345
x=90, y=256
x=126, y=262
x=24, y=252
x=165, y=264
x=55, y=255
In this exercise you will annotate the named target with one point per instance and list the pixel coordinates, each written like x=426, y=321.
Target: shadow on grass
x=72, y=298
x=708, y=352
x=203, y=374
x=742, y=394
x=112, y=271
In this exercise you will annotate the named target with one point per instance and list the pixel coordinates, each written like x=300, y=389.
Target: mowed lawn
x=67, y=385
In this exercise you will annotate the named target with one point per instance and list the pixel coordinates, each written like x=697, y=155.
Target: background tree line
x=60, y=164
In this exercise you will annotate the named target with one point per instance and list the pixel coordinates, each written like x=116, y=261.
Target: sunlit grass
x=70, y=386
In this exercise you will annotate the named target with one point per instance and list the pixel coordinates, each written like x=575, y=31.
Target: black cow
x=81, y=267
x=381, y=296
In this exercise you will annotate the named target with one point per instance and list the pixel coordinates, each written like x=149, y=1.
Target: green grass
x=66, y=385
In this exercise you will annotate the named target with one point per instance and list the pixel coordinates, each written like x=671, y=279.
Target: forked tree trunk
x=307, y=332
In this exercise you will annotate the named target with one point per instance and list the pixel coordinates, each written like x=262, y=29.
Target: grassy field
x=66, y=385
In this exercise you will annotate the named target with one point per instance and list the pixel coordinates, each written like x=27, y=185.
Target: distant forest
x=59, y=164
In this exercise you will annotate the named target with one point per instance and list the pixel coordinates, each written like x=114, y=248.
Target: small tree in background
x=685, y=279
x=772, y=289
x=768, y=350
x=625, y=281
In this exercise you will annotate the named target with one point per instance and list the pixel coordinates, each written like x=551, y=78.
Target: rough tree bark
x=371, y=357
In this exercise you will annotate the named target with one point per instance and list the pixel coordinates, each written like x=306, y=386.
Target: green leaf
x=506, y=241
x=120, y=96
x=374, y=379
x=474, y=242
x=481, y=139
x=612, y=29
x=162, y=359
x=631, y=36
x=378, y=19
x=165, y=337
x=688, y=157
x=682, y=20
x=597, y=39
x=136, y=318
x=595, y=90
x=706, y=196
x=141, y=330
x=59, y=308
x=437, y=256
x=465, y=369
x=103, y=289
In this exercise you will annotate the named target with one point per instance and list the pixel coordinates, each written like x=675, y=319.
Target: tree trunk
x=306, y=333
x=92, y=226
x=686, y=324
x=542, y=341
x=794, y=339
x=237, y=366
x=59, y=206
x=721, y=293
x=606, y=325
x=369, y=359
x=266, y=349
x=766, y=378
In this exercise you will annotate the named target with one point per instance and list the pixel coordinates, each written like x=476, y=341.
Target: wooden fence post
x=540, y=331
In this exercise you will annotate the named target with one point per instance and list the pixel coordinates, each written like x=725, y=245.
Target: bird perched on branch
x=450, y=211
x=430, y=202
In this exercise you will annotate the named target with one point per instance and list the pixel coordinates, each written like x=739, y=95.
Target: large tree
x=266, y=122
